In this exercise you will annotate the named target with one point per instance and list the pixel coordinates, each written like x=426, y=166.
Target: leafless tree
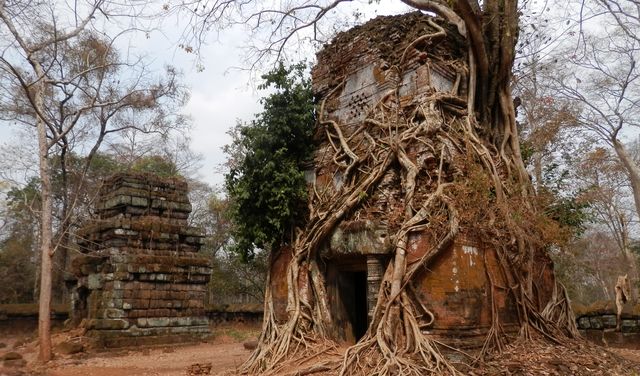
x=590, y=265
x=606, y=189
x=544, y=119
x=64, y=78
x=602, y=78
x=626, y=14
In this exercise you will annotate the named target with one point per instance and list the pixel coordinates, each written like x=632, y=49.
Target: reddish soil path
x=155, y=362
x=223, y=353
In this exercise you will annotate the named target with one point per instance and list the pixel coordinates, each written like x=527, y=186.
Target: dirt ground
x=169, y=361
x=223, y=354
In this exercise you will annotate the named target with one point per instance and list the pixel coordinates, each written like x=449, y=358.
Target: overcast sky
x=220, y=95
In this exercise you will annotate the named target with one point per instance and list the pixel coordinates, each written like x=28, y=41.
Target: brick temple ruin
x=140, y=278
x=353, y=73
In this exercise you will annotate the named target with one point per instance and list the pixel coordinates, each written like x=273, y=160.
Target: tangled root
x=435, y=128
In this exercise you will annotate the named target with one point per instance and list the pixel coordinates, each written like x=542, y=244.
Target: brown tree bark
x=622, y=296
x=46, y=253
x=632, y=169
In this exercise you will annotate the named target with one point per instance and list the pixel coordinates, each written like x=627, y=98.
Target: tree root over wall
x=471, y=183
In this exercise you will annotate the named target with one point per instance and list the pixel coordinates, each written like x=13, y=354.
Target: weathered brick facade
x=364, y=64
x=141, y=279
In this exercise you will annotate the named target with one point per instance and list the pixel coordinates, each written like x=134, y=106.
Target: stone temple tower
x=141, y=280
x=355, y=77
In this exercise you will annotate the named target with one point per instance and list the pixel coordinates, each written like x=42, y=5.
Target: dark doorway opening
x=353, y=293
x=79, y=305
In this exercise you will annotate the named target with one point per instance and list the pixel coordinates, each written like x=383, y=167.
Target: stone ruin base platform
x=148, y=336
x=140, y=279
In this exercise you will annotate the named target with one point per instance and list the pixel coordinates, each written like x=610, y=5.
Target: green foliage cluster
x=17, y=256
x=266, y=182
x=17, y=269
x=558, y=198
x=564, y=207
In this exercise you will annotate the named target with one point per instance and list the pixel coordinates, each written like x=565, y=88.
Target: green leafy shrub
x=266, y=182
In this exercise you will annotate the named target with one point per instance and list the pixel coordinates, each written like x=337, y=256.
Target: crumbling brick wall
x=354, y=73
x=141, y=279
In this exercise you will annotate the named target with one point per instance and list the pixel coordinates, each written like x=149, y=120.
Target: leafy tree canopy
x=156, y=164
x=266, y=182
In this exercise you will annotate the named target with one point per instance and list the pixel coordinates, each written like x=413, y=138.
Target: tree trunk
x=632, y=169
x=44, y=308
x=62, y=243
x=622, y=296
x=605, y=287
x=537, y=170
x=633, y=270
